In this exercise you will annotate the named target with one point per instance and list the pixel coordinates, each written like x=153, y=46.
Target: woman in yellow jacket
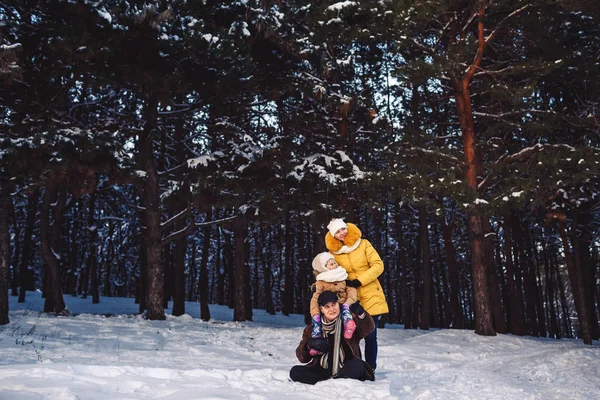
x=363, y=264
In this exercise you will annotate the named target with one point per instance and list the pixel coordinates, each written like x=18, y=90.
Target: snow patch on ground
x=123, y=356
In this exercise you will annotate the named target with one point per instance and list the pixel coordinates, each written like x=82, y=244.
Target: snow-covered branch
x=510, y=113
x=443, y=31
x=177, y=234
x=113, y=219
x=438, y=154
x=169, y=170
x=176, y=217
x=192, y=225
x=512, y=14
x=464, y=28
x=527, y=152
x=496, y=72
x=504, y=161
x=502, y=116
x=340, y=5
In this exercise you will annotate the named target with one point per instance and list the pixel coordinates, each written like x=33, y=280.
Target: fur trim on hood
x=353, y=236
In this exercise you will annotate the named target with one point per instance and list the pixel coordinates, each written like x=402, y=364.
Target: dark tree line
x=195, y=151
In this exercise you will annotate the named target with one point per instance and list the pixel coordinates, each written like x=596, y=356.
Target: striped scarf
x=333, y=329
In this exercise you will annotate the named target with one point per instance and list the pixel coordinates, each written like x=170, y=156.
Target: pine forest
x=195, y=151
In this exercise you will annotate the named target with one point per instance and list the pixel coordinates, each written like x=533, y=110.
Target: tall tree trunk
x=514, y=310
x=582, y=241
x=435, y=309
x=469, y=306
x=416, y=281
x=576, y=279
x=596, y=260
x=26, y=273
x=270, y=261
x=553, y=329
x=465, y=305
x=288, y=291
x=155, y=279
x=108, y=262
x=492, y=280
x=4, y=250
x=403, y=302
x=262, y=248
x=384, y=278
x=73, y=268
x=564, y=305
x=538, y=282
x=461, y=85
x=457, y=314
x=502, y=283
x=229, y=264
x=441, y=281
x=143, y=278
x=247, y=280
x=220, y=276
x=303, y=272
x=596, y=289
x=387, y=258
x=193, y=275
x=50, y=245
x=426, y=269
x=203, y=273
x=17, y=247
x=94, y=282
x=529, y=280
x=483, y=313
x=92, y=259
x=257, y=298
x=518, y=271
x=179, y=247
x=239, y=232
x=167, y=261
x=179, y=275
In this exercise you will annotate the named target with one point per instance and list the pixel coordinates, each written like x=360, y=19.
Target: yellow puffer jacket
x=362, y=263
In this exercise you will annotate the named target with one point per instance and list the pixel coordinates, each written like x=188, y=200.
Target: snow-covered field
x=90, y=356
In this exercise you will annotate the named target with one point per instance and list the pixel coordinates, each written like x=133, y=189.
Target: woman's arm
x=375, y=265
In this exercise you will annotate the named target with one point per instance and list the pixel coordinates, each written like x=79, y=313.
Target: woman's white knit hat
x=335, y=225
x=320, y=261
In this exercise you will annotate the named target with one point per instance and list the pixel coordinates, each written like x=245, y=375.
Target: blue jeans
x=371, y=345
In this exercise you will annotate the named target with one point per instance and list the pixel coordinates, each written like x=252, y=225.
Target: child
x=330, y=276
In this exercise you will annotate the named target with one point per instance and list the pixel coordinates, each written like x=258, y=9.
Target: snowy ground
x=94, y=357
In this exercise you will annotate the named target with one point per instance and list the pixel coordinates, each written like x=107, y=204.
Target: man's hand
x=356, y=308
x=353, y=283
x=320, y=344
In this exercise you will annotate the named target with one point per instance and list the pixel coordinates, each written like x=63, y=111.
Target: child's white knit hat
x=320, y=261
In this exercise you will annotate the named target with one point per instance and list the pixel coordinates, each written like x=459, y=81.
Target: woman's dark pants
x=352, y=369
x=371, y=345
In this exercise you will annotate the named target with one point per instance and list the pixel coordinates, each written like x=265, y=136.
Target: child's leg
x=317, y=331
x=349, y=324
